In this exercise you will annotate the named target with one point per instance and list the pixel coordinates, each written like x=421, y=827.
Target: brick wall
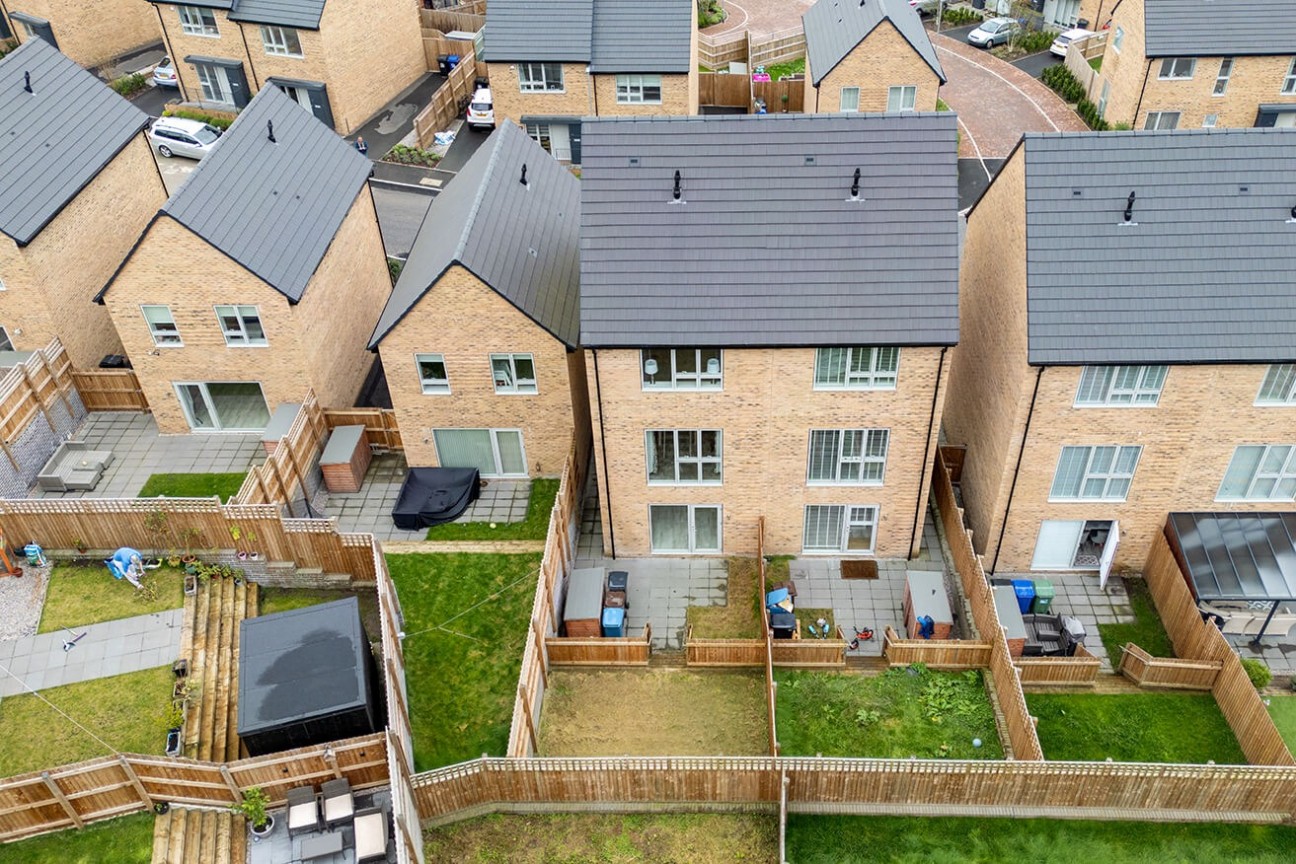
x=884, y=59
x=676, y=98
x=227, y=45
x=576, y=100
x=464, y=320
x=1127, y=67
x=93, y=33
x=375, y=51
x=766, y=411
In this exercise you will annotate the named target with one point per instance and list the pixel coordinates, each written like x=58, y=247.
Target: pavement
x=153, y=99
x=396, y=120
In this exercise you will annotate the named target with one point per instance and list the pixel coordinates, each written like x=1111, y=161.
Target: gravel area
x=21, y=599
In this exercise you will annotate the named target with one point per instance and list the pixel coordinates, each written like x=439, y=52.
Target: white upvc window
x=162, y=326
x=1209, y=121
x=6, y=344
x=1259, y=472
x=1162, y=120
x=241, y=325
x=1137, y=386
x=1101, y=473
x=847, y=456
x=198, y=21
x=684, y=528
x=682, y=368
x=849, y=100
x=283, y=41
x=1279, y=385
x=639, y=89
x=902, y=98
x=1289, y=83
x=432, y=373
x=691, y=456
x=2, y=285
x=840, y=528
x=1177, y=68
x=1222, y=79
x=856, y=368
x=1118, y=39
x=513, y=373
x=540, y=77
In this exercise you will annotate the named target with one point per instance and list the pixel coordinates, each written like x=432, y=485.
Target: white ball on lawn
x=492, y=524
x=976, y=742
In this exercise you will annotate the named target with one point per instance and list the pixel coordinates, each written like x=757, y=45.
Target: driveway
x=760, y=16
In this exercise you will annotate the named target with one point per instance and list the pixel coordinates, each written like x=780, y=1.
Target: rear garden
x=739, y=617
x=126, y=840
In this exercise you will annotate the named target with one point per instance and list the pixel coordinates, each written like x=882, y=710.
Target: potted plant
x=253, y=808
x=173, y=721
x=190, y=583
x=187, y=537
x=81, y=546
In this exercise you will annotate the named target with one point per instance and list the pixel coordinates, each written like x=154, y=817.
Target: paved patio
x=1278, y=652
x=279, y=848
x=1078, y=595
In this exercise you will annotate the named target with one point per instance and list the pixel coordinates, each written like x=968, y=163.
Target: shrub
x=218, y=119
x=709, y=12
x=1060, y=80
x=959, y=16
x=394, y=267
x=402, y=154
x=1258, y=672
x=1034, y=41
x=7, y=45
x=129, y=85
x=1089, y=113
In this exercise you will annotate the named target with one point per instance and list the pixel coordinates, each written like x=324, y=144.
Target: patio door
x=684, y=528
x=493, y=452
x=223, y=406
x=1077, y=544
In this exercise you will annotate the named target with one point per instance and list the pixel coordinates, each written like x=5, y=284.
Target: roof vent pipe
x=270, y=131
x=855, y=184
x=678, y=191
x=27, y=81
x=523, y=179
x=1293, y=214
x=1129, y=209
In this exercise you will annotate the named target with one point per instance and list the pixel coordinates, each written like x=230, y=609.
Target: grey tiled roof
x=288, y=13
x=273, y=207
x=1204, y=276
x=522, y=241
x=1219, y=28
x=538, y=30
x=634, y=36
x=765, y=246
x=834, y=27
x=56, y=139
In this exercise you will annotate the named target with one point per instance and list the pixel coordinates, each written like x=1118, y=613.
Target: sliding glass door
x=223, y=406
x=493, y=452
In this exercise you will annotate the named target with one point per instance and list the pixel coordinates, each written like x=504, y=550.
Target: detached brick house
x=261, y=277
x=740, y=368
x=552, y=62
x=1190, y=64
x=77, y=186
x=342, y=60
x=90, y=33
x=478, y=341
x=1129, y=348
x=868, y=55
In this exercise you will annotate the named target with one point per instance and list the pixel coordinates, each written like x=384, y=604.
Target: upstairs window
x=1222, y=79
x=540, y=77
x=1279, y=385
x=683, y=456
x=638, y=89
x=514, y=373
x=1095, y=473
x=432, y=373
x=1120, y=385
x=854, y=456
x=198, y=21
x=161, y=324
x=682, y=369
x=1260, y=473
x=856, y=368
x=901, y=98
x=1178, y=68
x=241, y=325
x=1289, y=83
x=281, y=40
x=1118, y=39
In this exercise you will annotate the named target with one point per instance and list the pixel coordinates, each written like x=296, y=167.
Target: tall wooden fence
x=1169, y=673
x=110, y=390
x=446, y=20
x=628, y=651
x=1079, y=670
x=1078, y=55
x=450, y=99
x=787, y=653
x=381, y=430
x=761, y=49
x=948, y=654
x=781, y=96
x=717, y=52
x=291, y=471
x=729, y=91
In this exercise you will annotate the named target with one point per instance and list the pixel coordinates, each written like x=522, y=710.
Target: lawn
x=87, y=594
x=534, y=527
x=898, y=714
x=1283, y=711
x=1134, y=727
x=272, y=600
x=916, y=840
x=466, y=624
x=126, y=840
x=1146, y=632
x=1096, y=64
x=193, y=485
x=778, y=70
x=124, y=710
x=681, y=838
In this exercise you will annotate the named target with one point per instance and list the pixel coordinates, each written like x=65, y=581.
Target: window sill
x=828, y=388
x=161, y=345
x=544, y=92
x=1120, y=405
x=838, y=553
x=516, y=393
x=660, y=389
x=286, y=56
x=712, y=484
x=244, y=345
x=436, y=392
x=1286, y=500
x=854, y=484
x=202, y=35
x=1053, y=500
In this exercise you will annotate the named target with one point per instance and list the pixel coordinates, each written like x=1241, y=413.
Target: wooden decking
x=210, y=642
x=199, y=837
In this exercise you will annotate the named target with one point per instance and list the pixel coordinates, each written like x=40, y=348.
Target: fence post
x=235, y=791
x=540, y=652
x=530, y=721
x=62, y=799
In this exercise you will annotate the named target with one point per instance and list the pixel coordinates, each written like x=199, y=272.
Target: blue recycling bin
x=453, y=60
x=1025, y=591
x=613, y=622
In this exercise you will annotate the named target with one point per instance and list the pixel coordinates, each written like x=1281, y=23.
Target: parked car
x=176, y=136
x=164, y=74
x=996, y=31
x=481, y=110
x=925, y=7
x=1065, y=38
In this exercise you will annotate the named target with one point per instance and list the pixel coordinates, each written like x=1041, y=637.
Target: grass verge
x=1283, y=711
x=272, y=600
x=126, y=840
x=87, y=594
x=1134, y=727
x=1146, y=631
x=193, y=485
x=534, y=527
x=466, y=620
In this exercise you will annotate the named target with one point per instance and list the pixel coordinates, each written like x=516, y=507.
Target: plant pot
x=242, y=556
x=255, y=556
x=189, y=559
x=180, y=668
x=174, y=742
x=178, y=689
x=16, y=572
x=264, y=829
x=190, y=584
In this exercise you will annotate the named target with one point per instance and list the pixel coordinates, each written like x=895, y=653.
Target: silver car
x=996, y=31
x=176, y=136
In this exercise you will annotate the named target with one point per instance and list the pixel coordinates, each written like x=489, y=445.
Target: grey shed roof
x=56, y=139
x=288, y=13
x=522, y=241
x=634, y=36
x=1237, y=556
x=538, y=30
x=273, y=207
x=834, y=27
x=766, y=246
x=1205, y=274
x=1218, y=28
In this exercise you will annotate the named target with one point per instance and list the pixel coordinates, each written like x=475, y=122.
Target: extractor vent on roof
x=1244, y=190
x=1077, y=193
x=809, y=160
x=634, y=161
x=1129, y=210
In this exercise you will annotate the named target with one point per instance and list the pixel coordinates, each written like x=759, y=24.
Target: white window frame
x=1117, y=390
x=692, y=464
x=1172, y=69
x=855, y=93
x=240, y=338
x=541, y=134
x=865, y=367
x=1280, y=381
x=861, y=457
x=194, y=21
x=852, y=516
x=1286, y=474
x=1090, y=473
x=630, y=89
x=1118, y=39
x=496, y=454
x=898, y=94
x=277, y=42
x=213, y=84
x=1209, y=121
x=162, y=338
x=531, y=82
x=701, y=379
x=5, y=340
x=1289, y=82
x=1156, y=124
x=2, y=284
x=432, y=386
x=1222, y=77
x=515, y=384
x=692, y=530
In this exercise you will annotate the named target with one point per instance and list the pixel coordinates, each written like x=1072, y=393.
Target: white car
x=481, y=110
x=1065, y=38
x=164, y=74
x=176, y=136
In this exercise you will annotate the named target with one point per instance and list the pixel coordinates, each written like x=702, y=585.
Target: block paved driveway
x=760, y=16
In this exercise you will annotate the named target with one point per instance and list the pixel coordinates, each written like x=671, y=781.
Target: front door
x=493, y=452
x=223, y=406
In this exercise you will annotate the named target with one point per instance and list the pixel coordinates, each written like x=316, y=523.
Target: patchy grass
x=680, y=838
x=193, y=485
x=740, y=617
x=1146, y=631
x=915, y=840
x=898, y=714
x=1095, y=63
x=654, y=712
x=1283, y=711
x=779, y=70
x=1134, y=727
x=807, y=616
x=272, y=600
x=534, y=527
x=942, y=105
x=124, y=710
x=87, y=594
x=126, y=840
x=466, y=620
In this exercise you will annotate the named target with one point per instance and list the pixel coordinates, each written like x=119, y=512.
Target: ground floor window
x=215, y=83
x=493, y=452
x=840, y=528
x=223, y=406
x=6, y=344
x=684, y=527
x=555, y=138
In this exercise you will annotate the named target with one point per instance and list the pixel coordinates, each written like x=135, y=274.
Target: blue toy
x=35, y=555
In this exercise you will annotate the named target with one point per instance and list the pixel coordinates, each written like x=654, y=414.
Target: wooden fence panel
x=782, y=47
x=718, y=52
x=380, y=425
x=731, y=91
x=110, y=390
x=629, y=651
x=1079, y=670
x=446, y=20
x=947, y=654
x=287, y=470
x=781, y=96
x=449, y=101
x=809, y=653
x=723, y=652
x=1167, y=672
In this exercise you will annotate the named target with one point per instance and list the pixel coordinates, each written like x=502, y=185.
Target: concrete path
x=108, y=648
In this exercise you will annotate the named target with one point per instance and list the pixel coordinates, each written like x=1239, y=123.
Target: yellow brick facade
x=92, y=33
x=318, y=343
x=50, y=284
x=678, y=98
x=575, y=100
x=766, y=410
x=465, y=321
x=884, y=59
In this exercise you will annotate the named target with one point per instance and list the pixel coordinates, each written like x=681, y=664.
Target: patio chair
x=371, y=834
x=339, y=804
x=303, y=812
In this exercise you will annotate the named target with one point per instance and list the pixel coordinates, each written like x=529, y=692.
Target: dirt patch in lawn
x=654, y=712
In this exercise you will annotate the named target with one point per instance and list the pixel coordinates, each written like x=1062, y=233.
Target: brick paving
x=760, y=16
